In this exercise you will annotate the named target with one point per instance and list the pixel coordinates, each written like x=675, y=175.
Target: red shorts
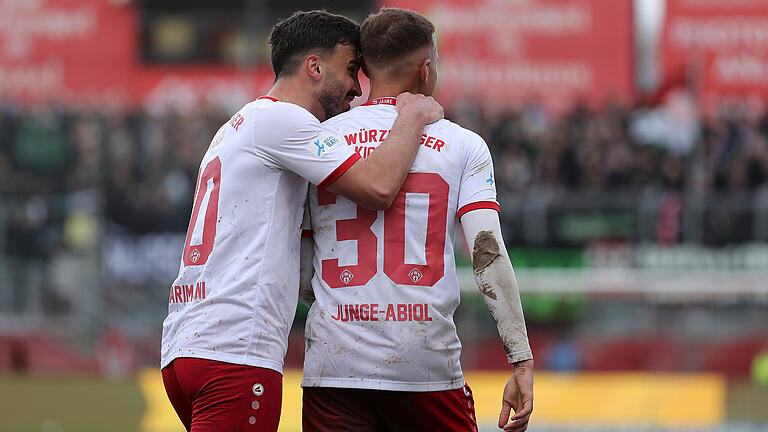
x=216, y=396
x=343, y=409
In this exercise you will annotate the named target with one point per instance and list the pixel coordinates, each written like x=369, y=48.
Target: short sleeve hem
x=479, y=205
x=338, y=172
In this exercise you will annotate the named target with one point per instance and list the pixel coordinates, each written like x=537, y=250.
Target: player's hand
x=518, y=396
x=424, y=105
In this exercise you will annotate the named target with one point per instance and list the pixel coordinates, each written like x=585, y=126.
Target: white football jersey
x=385, y=282
x=235, y=297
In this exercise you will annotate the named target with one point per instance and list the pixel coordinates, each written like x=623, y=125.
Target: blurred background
x=630, y=141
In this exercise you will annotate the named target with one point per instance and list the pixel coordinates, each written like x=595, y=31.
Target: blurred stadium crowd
x=598, y=151
x=140, y=167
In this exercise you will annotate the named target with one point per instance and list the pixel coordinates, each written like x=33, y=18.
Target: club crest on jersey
x=194, y=256
x=346, y=276
x=320, y=145
x=415, y=275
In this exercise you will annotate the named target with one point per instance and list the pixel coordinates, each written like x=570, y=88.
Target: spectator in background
x=143, y=165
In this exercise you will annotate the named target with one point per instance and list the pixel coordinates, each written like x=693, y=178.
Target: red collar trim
x=267, y=97
x=382, y=101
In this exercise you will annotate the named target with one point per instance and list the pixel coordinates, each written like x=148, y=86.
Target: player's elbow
x=377, y=198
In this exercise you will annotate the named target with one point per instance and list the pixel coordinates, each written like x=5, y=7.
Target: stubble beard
x=331, y=99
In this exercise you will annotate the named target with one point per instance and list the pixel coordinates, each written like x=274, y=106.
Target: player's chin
x=344, y=106
x=333, y=111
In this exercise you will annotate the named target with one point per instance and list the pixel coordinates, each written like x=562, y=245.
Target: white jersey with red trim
x=385, y=282
x=235, y=296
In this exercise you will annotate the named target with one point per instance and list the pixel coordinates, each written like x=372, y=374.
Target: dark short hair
x=390, y=33
x=304, y=32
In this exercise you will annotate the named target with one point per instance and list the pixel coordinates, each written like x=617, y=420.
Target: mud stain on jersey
x=480, y=167
x=310, y=335
x=485, y=252
x=437, y=164
x=487, y=291
x=394, y=359
x=318, y=227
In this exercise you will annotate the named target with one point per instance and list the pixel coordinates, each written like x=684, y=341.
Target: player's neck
x=290, y=91
x=390, y=89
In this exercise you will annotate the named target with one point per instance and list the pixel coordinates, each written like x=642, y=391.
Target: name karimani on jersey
x=185, y=293
x=378, y=135
x=393, y=312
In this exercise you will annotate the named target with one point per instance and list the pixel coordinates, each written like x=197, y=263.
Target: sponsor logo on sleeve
x=490, y=180
x=321, y=145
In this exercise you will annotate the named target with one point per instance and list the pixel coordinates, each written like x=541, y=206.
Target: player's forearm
x=495, y=277
x=499, y=287
x=388, y=165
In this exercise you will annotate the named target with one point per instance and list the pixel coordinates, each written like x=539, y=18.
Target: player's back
x=385, y=282
x=234, y=298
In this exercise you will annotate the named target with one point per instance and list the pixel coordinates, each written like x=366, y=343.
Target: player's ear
x=364, y=68
x=424, y=71
x=314, y=66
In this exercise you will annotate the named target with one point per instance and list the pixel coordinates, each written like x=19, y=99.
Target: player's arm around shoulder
x=374, y=182
x=496, y=280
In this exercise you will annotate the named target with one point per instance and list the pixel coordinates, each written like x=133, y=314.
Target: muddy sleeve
x=495, y=278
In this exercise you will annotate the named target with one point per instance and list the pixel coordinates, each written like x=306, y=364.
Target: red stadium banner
x=496, y=51
x=721, y=45
x=87, y=51
x=51, y=49
x=556, y=51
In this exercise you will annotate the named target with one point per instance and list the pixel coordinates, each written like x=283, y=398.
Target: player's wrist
x=523, y=364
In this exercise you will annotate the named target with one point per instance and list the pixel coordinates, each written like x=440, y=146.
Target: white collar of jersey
x=382, y=101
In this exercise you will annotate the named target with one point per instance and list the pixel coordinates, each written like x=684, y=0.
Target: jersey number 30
x=395, y=266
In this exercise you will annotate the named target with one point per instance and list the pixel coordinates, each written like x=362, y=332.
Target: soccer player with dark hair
x=382, y=352
x=233, y=302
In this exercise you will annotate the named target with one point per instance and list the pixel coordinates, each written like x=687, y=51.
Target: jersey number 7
x=395, y=266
